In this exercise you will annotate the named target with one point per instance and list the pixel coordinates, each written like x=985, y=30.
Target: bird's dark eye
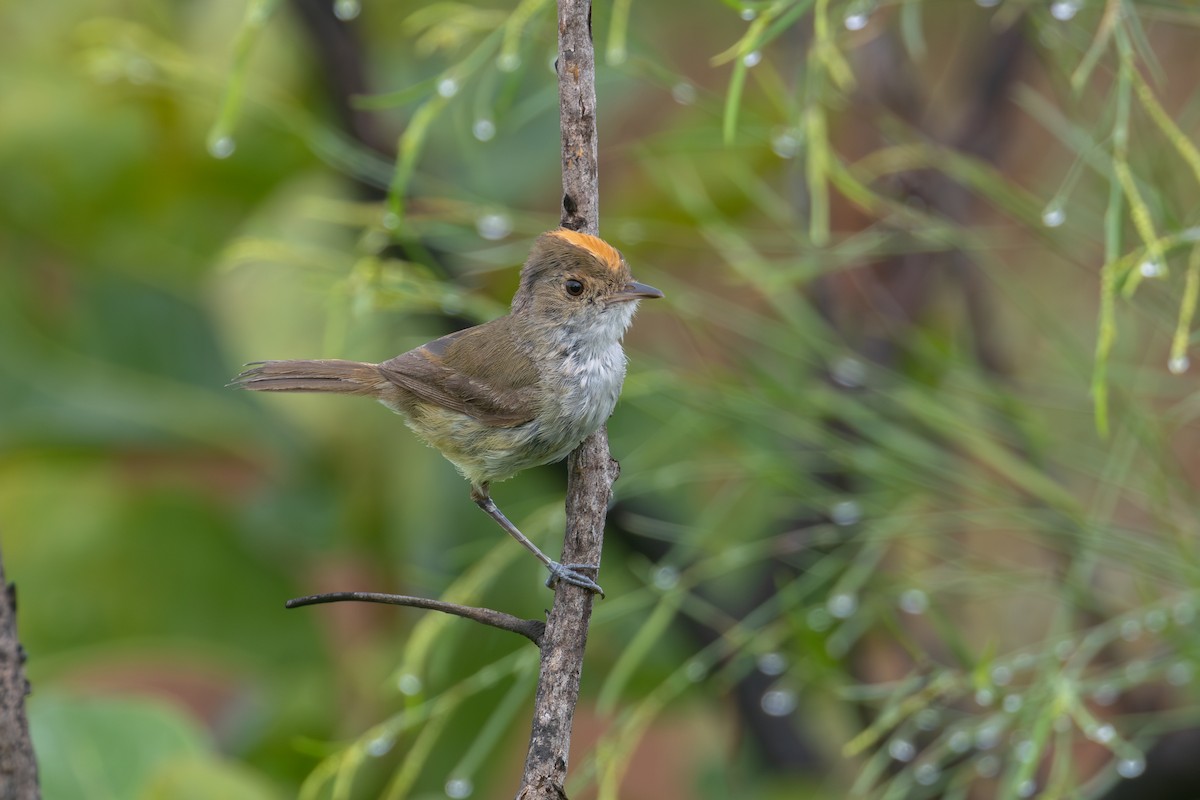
x=574, y=288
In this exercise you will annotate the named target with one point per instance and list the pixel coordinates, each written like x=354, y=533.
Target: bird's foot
x=567, y=572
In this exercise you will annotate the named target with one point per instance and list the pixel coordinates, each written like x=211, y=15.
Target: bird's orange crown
x=604, y=252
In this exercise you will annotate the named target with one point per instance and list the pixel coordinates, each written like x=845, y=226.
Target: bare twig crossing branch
x=531, y=629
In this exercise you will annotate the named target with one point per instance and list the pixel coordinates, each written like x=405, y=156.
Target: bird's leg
x=558, y=572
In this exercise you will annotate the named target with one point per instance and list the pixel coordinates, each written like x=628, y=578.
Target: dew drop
x=493, y=226
x=346, y=10
x=447, y=87
x=914, y=601
x=848, y=372
x=1102, y=733
x=1063, y=10
x=845, y=512
x=772, y=664
x=1179, y=673
x=818, y=619
x=1002, y=675
x=616, y=56
x=987, y=737
x=1025, y=750
x=927, y=774
x=459, y=788
x=778, y=702
x=683, y=93
x=785, y=144
x=1026, y=788
x=988, y=766
x=984, y=697
x=1131, y=767
x=928, y=719
x=391, y=220
x=409, y=684
x=959, y=742
x=901, y=749
x=665, y=578
x=221, y=147
x=1150, y=269
x=842, y=605
x=380, y=745
x=484, y=130
x=508, y=62
x=695, y=671
x=856, y=21
x=1053, y=216
x=749, y=14
x=1012, y=703
x=1179, y=365
x=1106, y=694
x=1155, y=620
x=752, y=59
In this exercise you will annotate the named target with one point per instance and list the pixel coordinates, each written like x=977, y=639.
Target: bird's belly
x=581, y=395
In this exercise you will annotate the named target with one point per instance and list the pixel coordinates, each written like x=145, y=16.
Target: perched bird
x=513, y=393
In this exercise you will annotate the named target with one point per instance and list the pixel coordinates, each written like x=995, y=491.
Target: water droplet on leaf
x=683, y=93
x=1131, y=767
x=494, y=226
x=1150, y=269
x=856, y=21
x=1063, y=10
x=459, y=788
x=914, y=601
x=772, y=664
x=221, y=147
x=1179, y=365
x=842, y=605
x=752, y=59
x=484, y=130
x=902, y=749
x=447, y=87
x=346, y=10
x=778, y=702
x=1053, y=216
x=408, y=684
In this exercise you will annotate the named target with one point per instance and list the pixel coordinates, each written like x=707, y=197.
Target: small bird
x=522, y=390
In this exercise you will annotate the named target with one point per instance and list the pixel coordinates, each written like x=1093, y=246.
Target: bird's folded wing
x=476, y=372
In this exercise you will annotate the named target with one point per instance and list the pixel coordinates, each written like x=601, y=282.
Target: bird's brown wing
x=479, y=372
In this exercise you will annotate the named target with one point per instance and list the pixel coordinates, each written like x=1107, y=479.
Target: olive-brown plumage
x=516, y=392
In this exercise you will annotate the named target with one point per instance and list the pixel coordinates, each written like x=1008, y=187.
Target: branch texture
x=18, y=768
x=591, y=470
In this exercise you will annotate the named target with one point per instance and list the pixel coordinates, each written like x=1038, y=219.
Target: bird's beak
x=635, y=291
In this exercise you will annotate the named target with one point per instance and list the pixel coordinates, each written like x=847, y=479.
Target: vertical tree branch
x=591, y=470
x=18, y=769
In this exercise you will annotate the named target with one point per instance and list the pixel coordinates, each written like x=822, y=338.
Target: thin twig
x=590, y=469
x=531, y=629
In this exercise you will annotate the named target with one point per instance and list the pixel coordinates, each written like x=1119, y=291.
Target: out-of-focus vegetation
x=908, y=504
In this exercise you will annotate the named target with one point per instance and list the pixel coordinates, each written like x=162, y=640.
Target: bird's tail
x=332, y=375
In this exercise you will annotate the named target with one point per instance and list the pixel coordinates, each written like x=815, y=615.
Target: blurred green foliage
x=862, y=483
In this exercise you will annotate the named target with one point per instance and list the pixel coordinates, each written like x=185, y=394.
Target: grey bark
x=18, y=768
x=591, y=470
